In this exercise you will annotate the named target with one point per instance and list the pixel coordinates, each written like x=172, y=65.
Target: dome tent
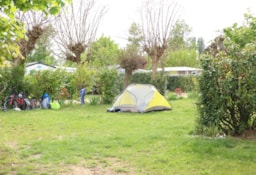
x=140, y=98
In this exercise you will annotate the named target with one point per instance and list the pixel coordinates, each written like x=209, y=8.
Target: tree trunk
x=127, y=78
x=154, y=66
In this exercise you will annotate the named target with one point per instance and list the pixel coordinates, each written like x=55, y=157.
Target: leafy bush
x=146, y=78
x=171, y=97
x=160, y=82
x=94, y=100
x=186, y=83
x=84, y=76
x=109, y=85
x=228, y=93
x=4, y=82
x=11, y=80
x=50, y=81
x=141, y=78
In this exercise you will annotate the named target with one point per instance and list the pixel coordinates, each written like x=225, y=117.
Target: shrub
x=109, y=85
x=146, y=78
x=186, y=83
x=228, y=95
x=94, y=100
x=50, y=81
x=84, y=76
x=4, y=82
x=171, y=96
x=141, y=78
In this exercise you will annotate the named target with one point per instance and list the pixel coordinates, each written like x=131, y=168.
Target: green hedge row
x=170, y=83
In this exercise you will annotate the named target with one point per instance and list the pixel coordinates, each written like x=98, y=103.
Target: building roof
x=178, y=69
x=37, y=66
x=38, y=63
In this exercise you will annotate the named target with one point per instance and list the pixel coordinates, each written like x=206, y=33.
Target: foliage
x=11, y=30
x=103, y=52
x=85, y=75
x=160, y=82
x=182, y=50
x=130, y=61
x=228, y=93
x=63, y=94
x=228, y=82
x=50, y=81
x=178, y=38
x=142, y=78
x=200, y=45
x=94, y=100
x=135, y=36
x=48, y=6
x=186, y=83
x=11, y=80
x=4, y=82
x=171, y=96
x=17, y=78
x=108, y=84
x=182, y=57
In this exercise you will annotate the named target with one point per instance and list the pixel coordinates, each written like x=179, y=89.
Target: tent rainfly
x=140, y=98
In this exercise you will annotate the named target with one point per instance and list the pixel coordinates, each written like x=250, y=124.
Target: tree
x=216, y=47
x=12, y=30
x=228, y=81
x=182, y=48
x=36, y=25
x=200, y=45
x=103, y=52
x=179, y=36
x=157, y=20
x=130, y=61
x=182, y=57
x=77, y=26
x=135, y=36
x=42, y=51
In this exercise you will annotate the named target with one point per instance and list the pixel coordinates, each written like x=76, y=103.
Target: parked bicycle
x=19, y=101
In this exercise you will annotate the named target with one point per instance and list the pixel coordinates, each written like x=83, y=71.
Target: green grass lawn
x=84, y=139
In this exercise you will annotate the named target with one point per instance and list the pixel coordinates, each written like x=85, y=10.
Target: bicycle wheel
x=24, y=106
x=34, y=103
x=9, y=104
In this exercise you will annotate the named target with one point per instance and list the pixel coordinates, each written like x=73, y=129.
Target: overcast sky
x=205, y=17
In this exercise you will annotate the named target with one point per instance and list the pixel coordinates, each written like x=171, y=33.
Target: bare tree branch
x=35, y=23
x=77, y=26
x=157, y=21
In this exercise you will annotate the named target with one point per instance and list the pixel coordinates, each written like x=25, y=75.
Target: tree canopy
x=103, y=52
x=11, y=30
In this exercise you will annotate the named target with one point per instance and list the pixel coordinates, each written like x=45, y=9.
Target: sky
x=205, y=17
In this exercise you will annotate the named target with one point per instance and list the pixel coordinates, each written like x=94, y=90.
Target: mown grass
x=159, y=143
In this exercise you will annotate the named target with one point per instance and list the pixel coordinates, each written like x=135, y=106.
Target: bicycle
x=14, y=101
x=19, y=101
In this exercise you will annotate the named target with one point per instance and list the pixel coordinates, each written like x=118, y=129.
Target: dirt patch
x=11, y=145
x=110, y=166
x=248, y=135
